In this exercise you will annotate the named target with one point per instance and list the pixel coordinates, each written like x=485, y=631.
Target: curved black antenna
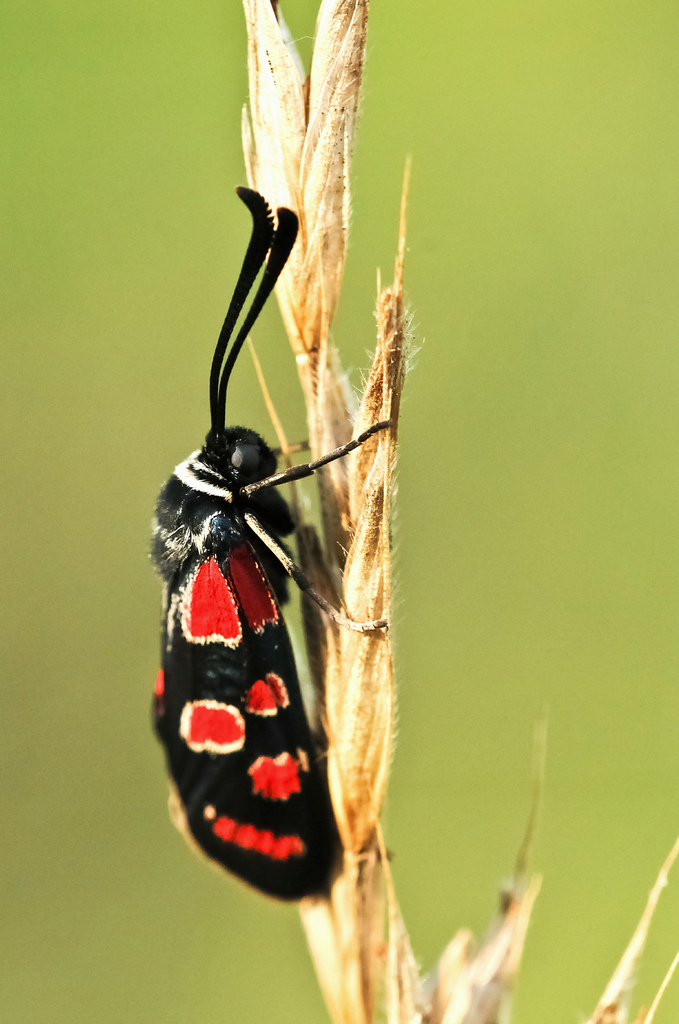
x=258, y=247
x=281, y=247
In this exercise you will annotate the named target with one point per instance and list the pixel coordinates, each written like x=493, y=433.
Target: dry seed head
x=298, y=152
x=483, y=989
x=360, y=695
x=345, y=932
x=476, y=988
x=359, y=680
x=359, y=712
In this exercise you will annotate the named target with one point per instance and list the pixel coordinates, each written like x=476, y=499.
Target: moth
x=227, y=705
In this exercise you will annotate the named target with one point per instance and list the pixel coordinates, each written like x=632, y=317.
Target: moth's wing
x=233, y=725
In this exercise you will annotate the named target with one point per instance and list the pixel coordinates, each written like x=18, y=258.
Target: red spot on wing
x=245, y=836
x=275, y=778
x=250, y=838
x=278, y=689
x=266, y=843
x=287, y=846
x=159, y=696
x=252, y=588
x=224, y=828
x=210, y=612
x=208, y=725
x=267, y=695
x=260, y=699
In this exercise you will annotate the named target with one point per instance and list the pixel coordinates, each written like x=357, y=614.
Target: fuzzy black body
x=237, y=742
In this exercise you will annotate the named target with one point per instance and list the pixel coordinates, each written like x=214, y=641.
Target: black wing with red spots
x=229, y=712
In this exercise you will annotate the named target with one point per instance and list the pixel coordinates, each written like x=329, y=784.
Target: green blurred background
x=537, y=558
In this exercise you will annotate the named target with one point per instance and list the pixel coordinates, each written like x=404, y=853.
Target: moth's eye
x=245, y=459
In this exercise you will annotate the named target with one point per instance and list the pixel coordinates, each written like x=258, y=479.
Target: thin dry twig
x=613, y=1005
x=646, y=1018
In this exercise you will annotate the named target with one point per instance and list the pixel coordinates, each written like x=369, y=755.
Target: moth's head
x=239, y=455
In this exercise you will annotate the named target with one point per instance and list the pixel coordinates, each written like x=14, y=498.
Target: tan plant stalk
x=297, y=141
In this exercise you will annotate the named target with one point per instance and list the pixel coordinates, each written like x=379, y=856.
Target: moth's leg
x=303, y=583
x=299, y=472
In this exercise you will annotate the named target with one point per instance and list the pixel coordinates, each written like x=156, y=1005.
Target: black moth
x=227, y=705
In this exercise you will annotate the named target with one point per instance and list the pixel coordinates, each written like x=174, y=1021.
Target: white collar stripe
x=186, y=472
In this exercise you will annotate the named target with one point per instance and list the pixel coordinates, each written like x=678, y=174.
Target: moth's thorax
x=200, y=509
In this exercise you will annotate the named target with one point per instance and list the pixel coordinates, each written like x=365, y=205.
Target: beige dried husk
x=297, y=140
x=298, y=143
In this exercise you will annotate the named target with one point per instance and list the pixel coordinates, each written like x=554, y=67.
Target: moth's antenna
x=281, y=247
x=259, y=245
